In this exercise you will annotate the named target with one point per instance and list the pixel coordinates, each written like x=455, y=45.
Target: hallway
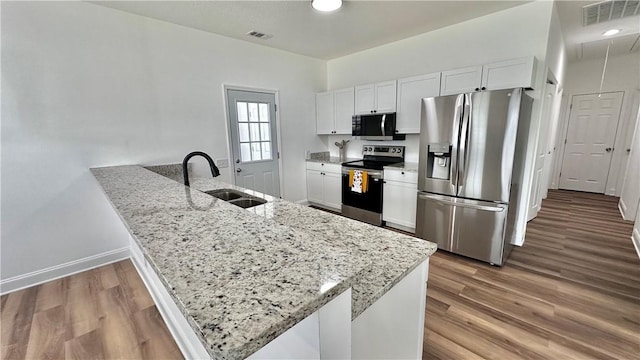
x=571, y=292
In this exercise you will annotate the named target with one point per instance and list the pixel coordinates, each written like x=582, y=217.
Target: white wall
x=85, y=86
x=517, y=32
x=583, y=77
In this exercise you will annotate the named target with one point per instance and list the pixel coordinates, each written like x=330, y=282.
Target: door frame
x=232, y=163
x=565, y=133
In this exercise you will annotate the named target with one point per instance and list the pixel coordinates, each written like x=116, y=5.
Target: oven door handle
x=374, y=174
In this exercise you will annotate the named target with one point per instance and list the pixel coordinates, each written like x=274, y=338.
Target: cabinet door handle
x=484, y=88
x=402, y=173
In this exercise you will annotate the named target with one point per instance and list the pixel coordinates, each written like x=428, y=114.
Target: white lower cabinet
x=324, y=184
x=400, y=198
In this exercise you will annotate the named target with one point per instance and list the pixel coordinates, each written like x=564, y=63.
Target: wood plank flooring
x=104, y=313
x=571, y=292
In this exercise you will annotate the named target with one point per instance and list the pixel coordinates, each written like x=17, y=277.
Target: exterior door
x=538, y=185
x=253, y=140
x=593, y=122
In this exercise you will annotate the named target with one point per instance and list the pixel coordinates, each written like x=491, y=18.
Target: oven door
x=371, y=200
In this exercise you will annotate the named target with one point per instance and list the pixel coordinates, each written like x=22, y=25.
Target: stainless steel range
x=362, y=182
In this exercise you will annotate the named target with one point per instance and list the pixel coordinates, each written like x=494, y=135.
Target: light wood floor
x=105, y=313
x=572, y=292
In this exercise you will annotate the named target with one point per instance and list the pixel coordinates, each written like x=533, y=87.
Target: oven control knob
x=393, y=150
x=399, y=150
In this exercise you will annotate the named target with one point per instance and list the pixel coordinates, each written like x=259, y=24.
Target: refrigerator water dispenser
x=438, y=161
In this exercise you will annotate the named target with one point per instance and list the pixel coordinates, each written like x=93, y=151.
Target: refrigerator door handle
x=463, y=205
x=464, y=139
x=457, y=118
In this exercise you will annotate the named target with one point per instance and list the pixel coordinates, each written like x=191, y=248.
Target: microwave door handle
x=382, y=124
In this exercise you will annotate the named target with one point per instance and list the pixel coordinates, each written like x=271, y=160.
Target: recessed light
x=610, y=32
x=326, y=5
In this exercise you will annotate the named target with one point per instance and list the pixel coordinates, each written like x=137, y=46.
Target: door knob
x=238, y=170
x=628, y=151
x=608, y=149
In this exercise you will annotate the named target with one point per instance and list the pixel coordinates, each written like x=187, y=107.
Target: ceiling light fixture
x=326, y=5
x=610, y=32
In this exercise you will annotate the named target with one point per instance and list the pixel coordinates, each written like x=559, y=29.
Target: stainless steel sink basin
x=237, y=198
x=247, y=203
x=226, y=194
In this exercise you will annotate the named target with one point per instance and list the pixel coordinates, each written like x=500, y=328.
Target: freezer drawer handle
x=470, y=206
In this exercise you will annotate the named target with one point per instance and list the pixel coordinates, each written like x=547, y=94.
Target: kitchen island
x=242, y=279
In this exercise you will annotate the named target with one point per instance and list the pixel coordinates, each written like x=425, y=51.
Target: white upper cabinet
x=344, y=110
x=494, y=76
x=324, y=112
x=509, y=74
x=411, y=90
x=373, y=98
x=385, y=96
x=460, y=81
x=365, y=99
x=334, y=110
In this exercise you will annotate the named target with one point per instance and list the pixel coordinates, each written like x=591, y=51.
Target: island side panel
x=188, y=341
x=393, y=326
x=325, y=334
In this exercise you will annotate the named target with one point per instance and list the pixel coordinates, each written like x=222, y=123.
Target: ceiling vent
x=609, y=10
x=264, y=36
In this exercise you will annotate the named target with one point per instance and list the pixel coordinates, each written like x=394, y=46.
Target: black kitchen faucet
x=185, y=174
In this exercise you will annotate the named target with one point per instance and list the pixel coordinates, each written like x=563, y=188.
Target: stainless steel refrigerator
x=472, y=151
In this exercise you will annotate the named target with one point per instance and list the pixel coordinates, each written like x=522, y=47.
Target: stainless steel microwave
x=374, y=126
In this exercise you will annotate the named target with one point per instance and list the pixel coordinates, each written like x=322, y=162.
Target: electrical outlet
x=222, y=163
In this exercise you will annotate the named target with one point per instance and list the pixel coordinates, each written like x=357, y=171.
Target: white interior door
x=252, y=126
x=593, y=123
x=539, y=185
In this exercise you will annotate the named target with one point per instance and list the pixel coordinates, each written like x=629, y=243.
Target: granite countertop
x=332, y=160
x=406, y=166
x=241, y=276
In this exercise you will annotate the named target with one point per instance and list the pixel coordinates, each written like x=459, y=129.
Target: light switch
x=222, y=163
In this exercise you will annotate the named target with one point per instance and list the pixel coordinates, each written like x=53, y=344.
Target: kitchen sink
x=237, y=198
x=226, y=194
x=247, y=203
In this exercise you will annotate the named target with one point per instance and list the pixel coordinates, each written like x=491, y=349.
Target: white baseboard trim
x=622, y=207
x=303, y=202
x=635, y=239
x=58, y=271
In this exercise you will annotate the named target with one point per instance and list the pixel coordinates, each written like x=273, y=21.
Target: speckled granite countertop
x=406, y=166
x=332, y=160
x=241, y=276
